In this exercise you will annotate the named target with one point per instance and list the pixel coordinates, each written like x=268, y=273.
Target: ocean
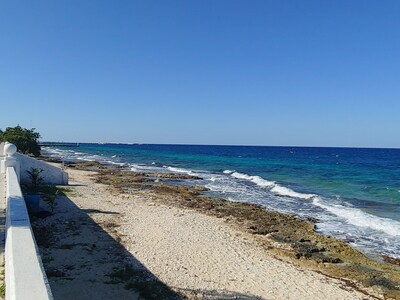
x=354, y=193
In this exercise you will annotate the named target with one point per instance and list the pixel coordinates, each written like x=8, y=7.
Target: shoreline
x=286, y=237
x=357, y=216
x=361, y=216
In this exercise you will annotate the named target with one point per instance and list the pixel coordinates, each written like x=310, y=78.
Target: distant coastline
x=45, y=143
x=54, y=144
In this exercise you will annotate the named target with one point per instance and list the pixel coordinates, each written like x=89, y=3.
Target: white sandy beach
x=199, y=256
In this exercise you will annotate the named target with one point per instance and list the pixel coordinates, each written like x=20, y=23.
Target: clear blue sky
x=316, y=73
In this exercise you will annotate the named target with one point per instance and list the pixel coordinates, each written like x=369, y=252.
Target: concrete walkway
x=2, y=227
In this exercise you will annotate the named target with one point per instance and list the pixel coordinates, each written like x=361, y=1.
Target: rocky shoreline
x=287, y=236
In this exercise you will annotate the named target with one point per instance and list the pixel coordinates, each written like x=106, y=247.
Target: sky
x=294, y=73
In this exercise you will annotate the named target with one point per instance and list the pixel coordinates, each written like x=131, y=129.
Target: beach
x=352, y=194
x=123, y=245
x=203, y=150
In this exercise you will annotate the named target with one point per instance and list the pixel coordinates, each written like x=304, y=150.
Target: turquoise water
x=354, y=193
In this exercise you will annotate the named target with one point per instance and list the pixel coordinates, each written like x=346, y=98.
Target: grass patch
x=48, y=193
x=3, y=290
x=44, y=236
x=3, y=284
x=67, y=246
x=47, y=259
x=67, y=191
x=122, y=275
x=69, y=267
x=48, y=190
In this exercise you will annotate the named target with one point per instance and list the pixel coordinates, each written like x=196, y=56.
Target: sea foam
x=284, y=191
x=179, y=170
x=255, y=179
x=272, y=186
x=359, y=218
x=228, y=171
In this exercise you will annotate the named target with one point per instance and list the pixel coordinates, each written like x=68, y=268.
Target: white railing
x=24, y=273
x=25, y=276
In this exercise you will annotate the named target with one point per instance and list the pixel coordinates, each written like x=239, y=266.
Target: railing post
x=9, y=160
x=2, y=144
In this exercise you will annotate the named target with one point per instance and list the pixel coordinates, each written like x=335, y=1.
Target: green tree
x=26, y=140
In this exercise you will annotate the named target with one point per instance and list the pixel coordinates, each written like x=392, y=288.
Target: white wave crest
x=272, y=186
x=228, y=171
x=284, y=191
x=359, y=218
x=143, y=168
x=179, y=170
x=255, y=179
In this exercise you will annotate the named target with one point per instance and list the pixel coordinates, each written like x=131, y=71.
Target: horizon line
x=221, y=145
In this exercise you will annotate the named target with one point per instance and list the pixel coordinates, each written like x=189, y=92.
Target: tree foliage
x=26, y=140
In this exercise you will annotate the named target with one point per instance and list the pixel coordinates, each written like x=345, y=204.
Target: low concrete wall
x=50, y=174
x=25, y=276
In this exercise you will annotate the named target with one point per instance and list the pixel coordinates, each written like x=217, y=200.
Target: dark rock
x=42, y=214
x=391, y=260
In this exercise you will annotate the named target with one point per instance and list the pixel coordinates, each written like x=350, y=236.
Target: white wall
x=25, y=276
x=50, y=174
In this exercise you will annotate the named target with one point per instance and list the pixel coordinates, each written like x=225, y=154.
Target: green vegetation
x=2, y=290
x=47, y=259
x=49, y=195
x=3, y=284
x=36, y=179
x=26, y=140
x=122, y=275
x=67, y=191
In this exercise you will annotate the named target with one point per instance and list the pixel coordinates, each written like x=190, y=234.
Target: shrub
x=36, y=179
x=26, y=140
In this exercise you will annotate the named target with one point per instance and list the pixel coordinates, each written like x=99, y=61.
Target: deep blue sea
x=353, y=192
